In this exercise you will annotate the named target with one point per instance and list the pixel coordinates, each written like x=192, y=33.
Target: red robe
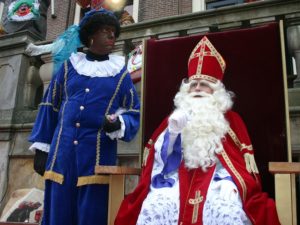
x=259, y=208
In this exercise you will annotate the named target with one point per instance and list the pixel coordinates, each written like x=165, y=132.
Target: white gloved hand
x=177, y=121
x=227, y=189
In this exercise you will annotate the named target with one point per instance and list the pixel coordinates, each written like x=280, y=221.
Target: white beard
x=202, y=136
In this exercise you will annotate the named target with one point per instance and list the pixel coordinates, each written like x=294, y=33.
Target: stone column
x=46, y=71
x=20, y=90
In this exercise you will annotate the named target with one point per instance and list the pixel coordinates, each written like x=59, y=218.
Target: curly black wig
x=94, y=23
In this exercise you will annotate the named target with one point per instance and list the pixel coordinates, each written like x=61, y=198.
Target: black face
x=103, y=41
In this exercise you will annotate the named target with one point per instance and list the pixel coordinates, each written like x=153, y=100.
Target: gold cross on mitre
x=205, y=49
x=196, y=201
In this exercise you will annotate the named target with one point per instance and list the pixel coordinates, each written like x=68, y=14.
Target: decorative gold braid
x=248, y=147
x=146, y=152
x=116, y=91
x=60, y=96
x=237, y=142
x=54, y=92
x=236, y=173
x=145, y=155
x=201, y=56
x=203, y=76
x=62, y=118
x=195, y=202
x=133, y=110
x=49, y=104
x=56, y=177
x=194, y=50
x=98, y=146
x=217, y=55
x=131, y=94
x=213, y=52
x=94, y=179
x=48, y=93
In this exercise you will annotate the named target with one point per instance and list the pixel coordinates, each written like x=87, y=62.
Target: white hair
x=202, y=136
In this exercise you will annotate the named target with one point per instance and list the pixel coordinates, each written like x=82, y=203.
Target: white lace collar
x=105, y=68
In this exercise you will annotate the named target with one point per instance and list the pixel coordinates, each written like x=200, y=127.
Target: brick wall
x=64, y=11
x=152, y=9
x=186, y=6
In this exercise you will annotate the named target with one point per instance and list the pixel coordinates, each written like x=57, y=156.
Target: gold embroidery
x=203, y=76
x=54, y=92
x=200, y=59
x=48, y=93
x=56, y=177
x=98, y=146
x=61, y=122
x=213, y=52
x=131, y=104
x=133, y=110
x=216, y=54
x=236, y=173
x=145, y=155
x=248, y=147
x=49, y=104
x=60, y=96
x=116, y=91
x=194, y=50
x=235, y=139
x=196, y=201
x=93, y=179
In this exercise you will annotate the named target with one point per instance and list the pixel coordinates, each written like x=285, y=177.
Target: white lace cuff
x=41, y=146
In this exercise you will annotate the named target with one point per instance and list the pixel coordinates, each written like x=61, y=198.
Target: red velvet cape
x=259, y=208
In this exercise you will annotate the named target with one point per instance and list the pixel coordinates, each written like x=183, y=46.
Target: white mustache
x=199, y=94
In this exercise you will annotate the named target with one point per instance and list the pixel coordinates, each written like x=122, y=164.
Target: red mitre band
x=205, y=62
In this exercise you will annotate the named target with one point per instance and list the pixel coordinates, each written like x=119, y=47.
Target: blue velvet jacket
x=70, y=120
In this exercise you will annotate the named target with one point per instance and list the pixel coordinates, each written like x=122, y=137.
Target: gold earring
x=92, y=42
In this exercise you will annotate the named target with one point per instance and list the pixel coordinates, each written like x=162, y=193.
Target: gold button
x=81, y=107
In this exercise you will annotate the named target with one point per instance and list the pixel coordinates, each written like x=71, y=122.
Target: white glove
x=227, y=189
x=250, y=163
x=177, y=121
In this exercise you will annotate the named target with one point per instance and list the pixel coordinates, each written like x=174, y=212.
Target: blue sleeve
x=47, y=117
x=131, y=103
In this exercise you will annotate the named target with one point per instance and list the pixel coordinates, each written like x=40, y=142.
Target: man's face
x=103, y=41
x=200, y=85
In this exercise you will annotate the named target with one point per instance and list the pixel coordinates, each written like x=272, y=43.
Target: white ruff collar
x=105, y=68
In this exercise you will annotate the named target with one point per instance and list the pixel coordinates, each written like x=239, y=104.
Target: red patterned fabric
x=259, y=208
x=206, y=62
